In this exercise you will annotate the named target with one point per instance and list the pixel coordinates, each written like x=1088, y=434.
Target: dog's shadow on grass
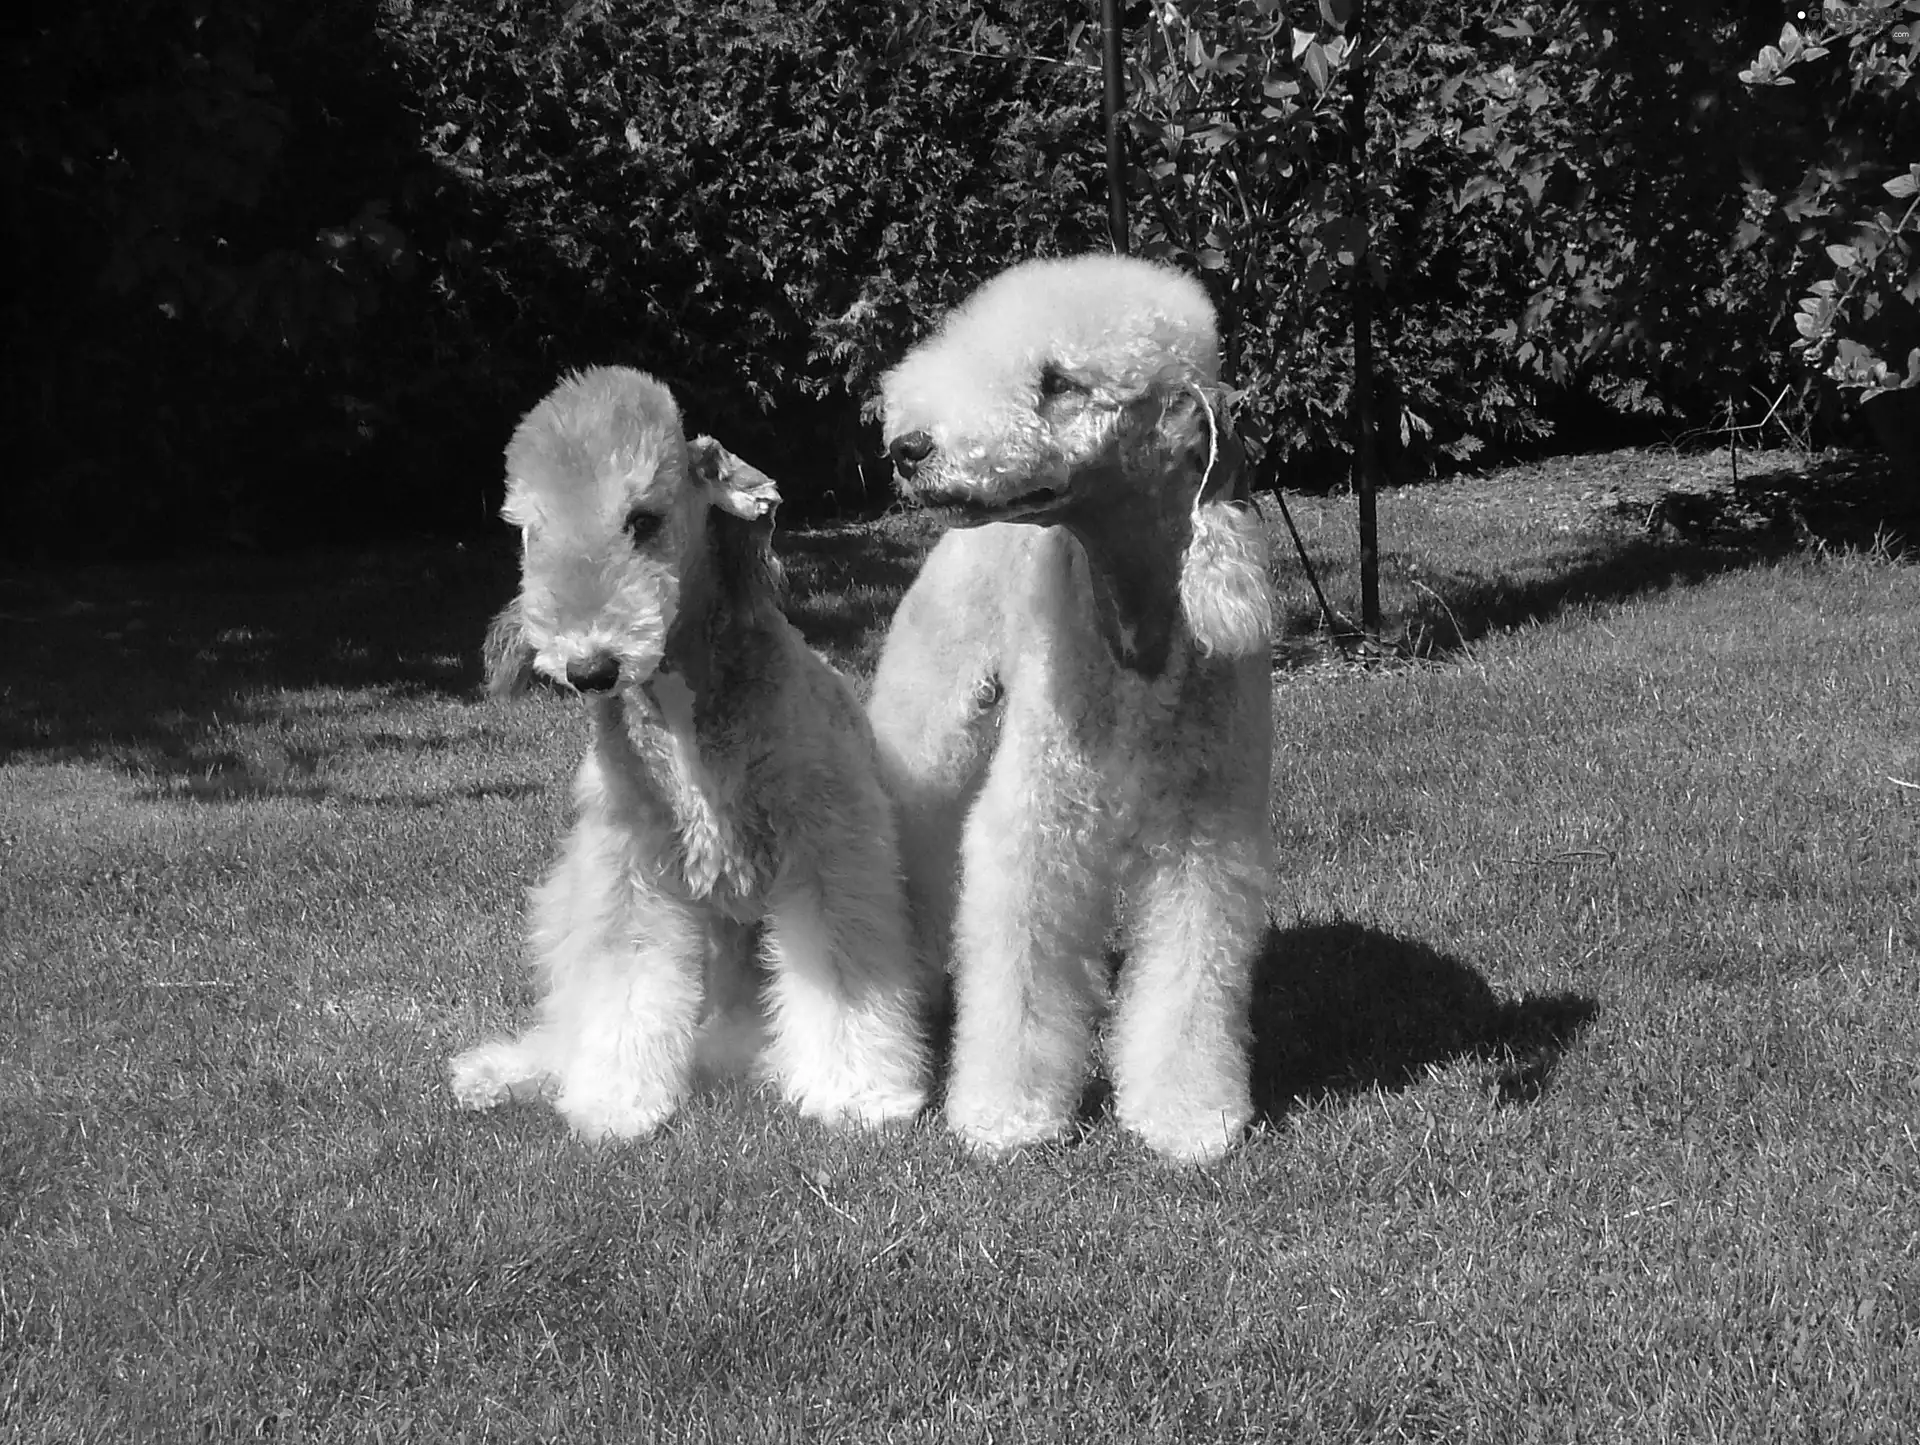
x=1341, y=1009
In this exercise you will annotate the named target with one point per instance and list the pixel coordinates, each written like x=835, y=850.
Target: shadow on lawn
x=1457, y=609
x=149, y=657
x=1342, y=1009
x=143, y=661
x=1679, y=536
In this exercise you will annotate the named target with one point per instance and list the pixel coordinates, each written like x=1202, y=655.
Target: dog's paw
x=864, y=1111
x=607, y=1118
x=491, y=1074
x=996, y=1126
x=1196, y=1135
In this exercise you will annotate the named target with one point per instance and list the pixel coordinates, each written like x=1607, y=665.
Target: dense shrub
x=293, y=270
x=298, y=268
x=759, y=201
x=200, y=231
x=1553, y=204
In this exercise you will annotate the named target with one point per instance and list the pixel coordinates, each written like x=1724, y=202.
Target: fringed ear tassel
x=1224, y=592
x=506, y=653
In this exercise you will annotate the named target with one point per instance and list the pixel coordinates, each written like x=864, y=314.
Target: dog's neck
x=1135, y=537
x=715, y=642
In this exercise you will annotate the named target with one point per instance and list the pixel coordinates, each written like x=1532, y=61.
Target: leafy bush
x=296, y=269
x=300, y=267
x=1837, y=210
x=1244, y=133
x=758, y=201
x=203, y=232
x=1553, y=203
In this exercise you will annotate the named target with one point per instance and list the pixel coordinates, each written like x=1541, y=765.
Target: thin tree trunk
x=1366, y=448
x=1116, y=104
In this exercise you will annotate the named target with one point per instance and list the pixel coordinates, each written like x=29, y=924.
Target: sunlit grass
x=1586, y=1042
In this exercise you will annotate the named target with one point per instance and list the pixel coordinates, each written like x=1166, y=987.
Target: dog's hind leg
x=847, y=993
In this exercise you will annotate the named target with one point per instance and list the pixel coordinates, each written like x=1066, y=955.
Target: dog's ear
x=505, y=653
x=1195, y=423
x=732, y=485
x=1225, y=596
x=744, y=499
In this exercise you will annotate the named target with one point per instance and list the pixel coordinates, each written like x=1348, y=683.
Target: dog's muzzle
x=597, y=673
x=907, y=451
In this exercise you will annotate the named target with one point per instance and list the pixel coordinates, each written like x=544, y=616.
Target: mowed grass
x=1587, y=1040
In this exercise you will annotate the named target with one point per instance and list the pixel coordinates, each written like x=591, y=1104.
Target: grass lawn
x=1587, y=1036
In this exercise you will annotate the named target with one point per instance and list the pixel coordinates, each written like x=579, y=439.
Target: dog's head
x=1086, y=392
x=621, y=521
x=1023, y=387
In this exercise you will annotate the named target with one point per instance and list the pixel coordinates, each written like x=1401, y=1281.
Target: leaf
x=1843, y=255
x=1900, y=187
x=1315, y=62
x=1301, y=40
x=1337, y=13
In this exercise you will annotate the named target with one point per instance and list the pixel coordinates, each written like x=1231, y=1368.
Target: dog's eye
x=1055, y=382
x=641, y=526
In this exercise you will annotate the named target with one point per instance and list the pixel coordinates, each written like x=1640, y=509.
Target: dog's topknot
x=604, y=422
x=1116, y=324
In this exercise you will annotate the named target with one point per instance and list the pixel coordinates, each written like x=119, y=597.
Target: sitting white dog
x=1075, y=703
x=732, y=784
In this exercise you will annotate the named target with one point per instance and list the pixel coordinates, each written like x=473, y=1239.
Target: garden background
x=291, y=272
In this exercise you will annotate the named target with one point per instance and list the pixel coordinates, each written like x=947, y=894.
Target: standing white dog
x=1076, y=708
x=732, y=781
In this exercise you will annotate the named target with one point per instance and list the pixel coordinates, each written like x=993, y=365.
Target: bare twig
x=1334, y=620
x=1459, y=634
x=814, y=1185
x=1564, y=859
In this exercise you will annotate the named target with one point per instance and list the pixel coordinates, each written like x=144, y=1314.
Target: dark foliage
x=297, y=269
x=292, y=271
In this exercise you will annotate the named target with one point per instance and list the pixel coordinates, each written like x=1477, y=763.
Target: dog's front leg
x=624, y=956
x=1036, y=905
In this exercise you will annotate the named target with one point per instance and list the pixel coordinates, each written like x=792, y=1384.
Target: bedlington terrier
x=732, y=780
x=1073, y=702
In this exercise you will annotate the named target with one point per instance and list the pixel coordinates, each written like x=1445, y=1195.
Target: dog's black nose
x=907, y=452
x=594, y=674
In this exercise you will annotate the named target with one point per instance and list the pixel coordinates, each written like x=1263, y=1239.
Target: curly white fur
x=732, y=784
x=1074, y=706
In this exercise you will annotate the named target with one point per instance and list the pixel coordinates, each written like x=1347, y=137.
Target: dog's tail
x=506, y=655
